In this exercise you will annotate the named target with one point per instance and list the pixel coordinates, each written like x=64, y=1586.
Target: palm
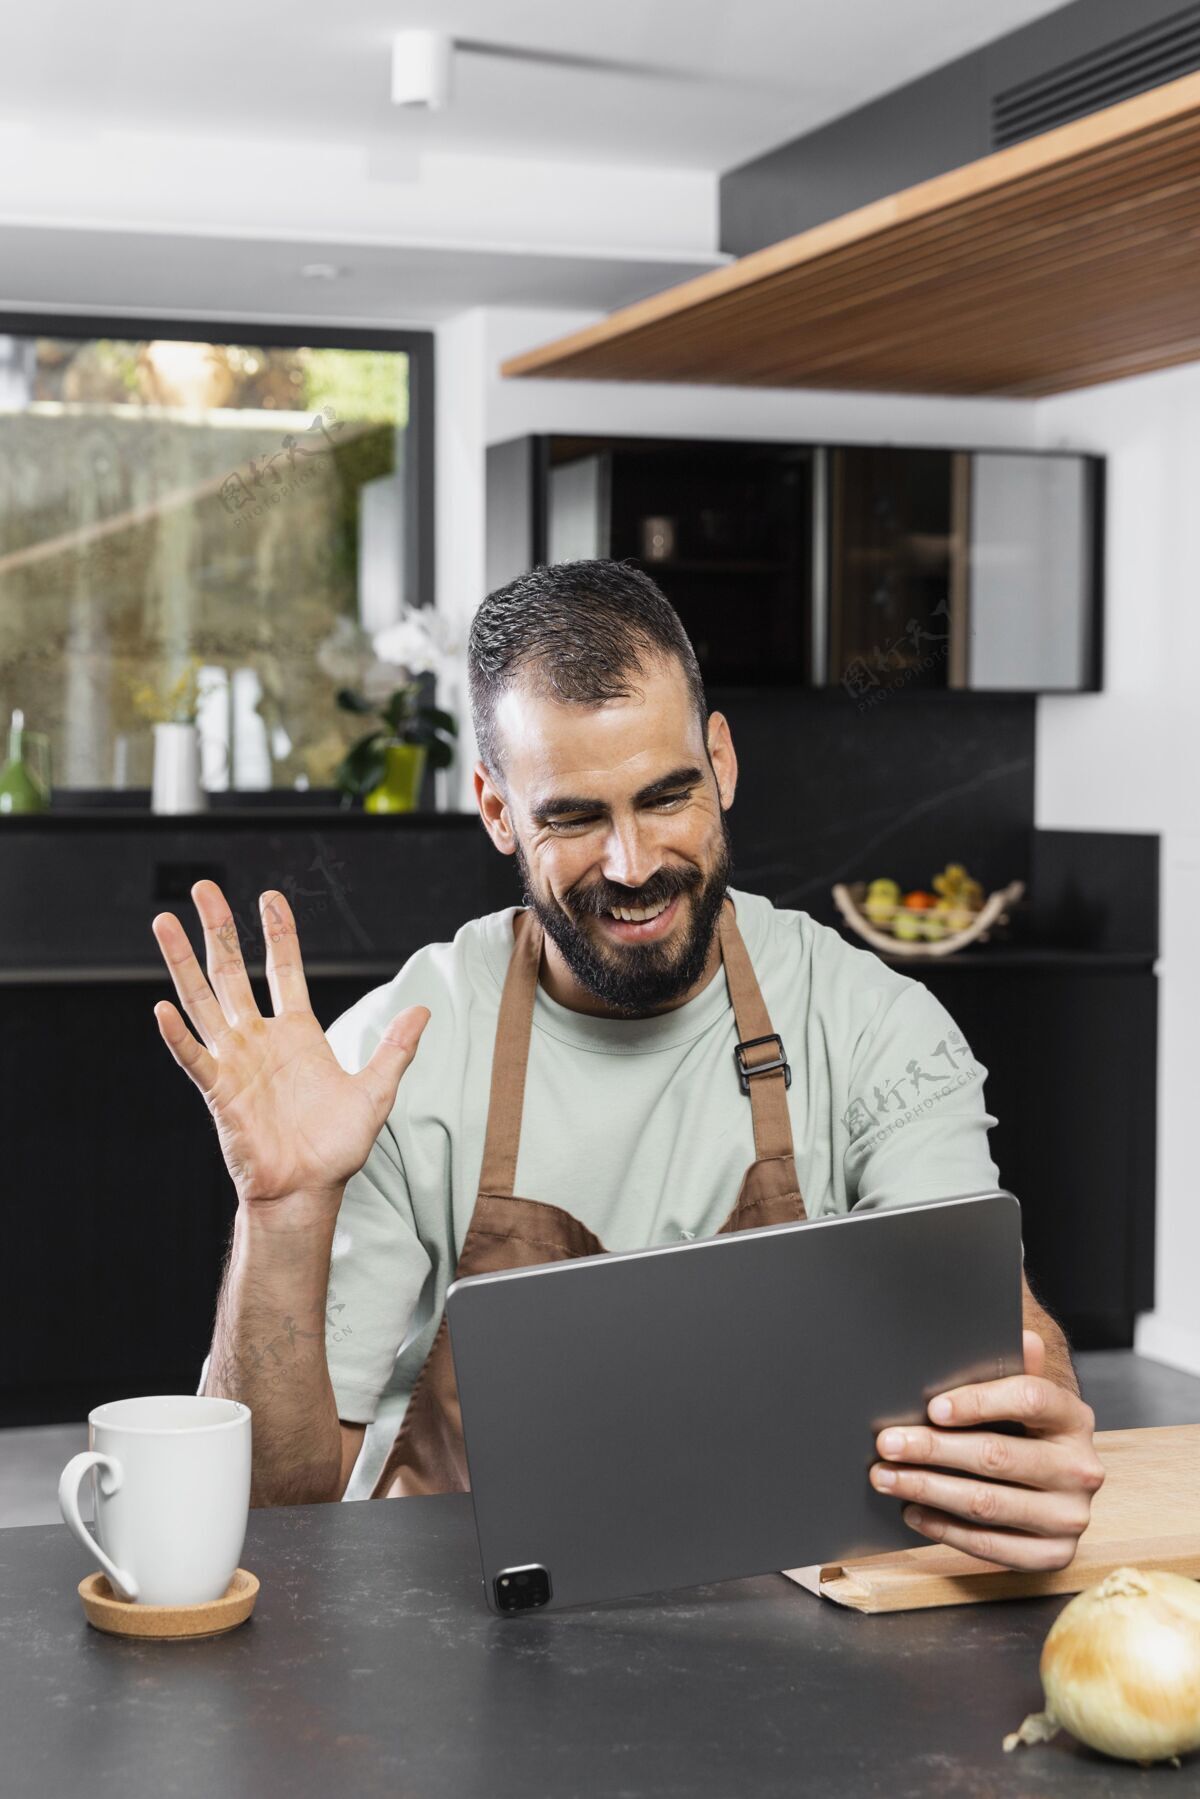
x=289, y=1118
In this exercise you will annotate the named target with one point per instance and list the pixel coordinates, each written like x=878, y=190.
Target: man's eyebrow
x=555, y=805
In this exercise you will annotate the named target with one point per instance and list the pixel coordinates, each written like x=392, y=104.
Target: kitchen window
x=221, y=515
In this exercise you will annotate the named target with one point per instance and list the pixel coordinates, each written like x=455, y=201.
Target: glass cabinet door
x=962, y=569
x=1032, y=573
x=897, y=558
x=726, y=531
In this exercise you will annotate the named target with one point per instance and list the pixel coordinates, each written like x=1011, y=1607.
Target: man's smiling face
x=617, y=808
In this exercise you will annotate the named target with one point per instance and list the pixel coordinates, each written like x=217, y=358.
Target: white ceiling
x=713, y=84
x=158, y=156
x=151, y=275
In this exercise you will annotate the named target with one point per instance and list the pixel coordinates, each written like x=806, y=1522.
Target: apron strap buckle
x=745, y=1070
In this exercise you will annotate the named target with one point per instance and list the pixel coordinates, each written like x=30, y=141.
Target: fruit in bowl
x=935, y=921
x=948, y=905
x=881, y=901
x=955, y=886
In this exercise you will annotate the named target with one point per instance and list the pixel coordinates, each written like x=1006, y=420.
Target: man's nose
x=628, y=860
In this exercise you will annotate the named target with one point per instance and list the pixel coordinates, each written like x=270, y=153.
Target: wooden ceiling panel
x=1068, y=259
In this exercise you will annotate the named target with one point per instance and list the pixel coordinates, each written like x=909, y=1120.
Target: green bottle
x=19, y=791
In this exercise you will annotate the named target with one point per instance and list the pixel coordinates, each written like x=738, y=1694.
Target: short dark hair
x=580, y=632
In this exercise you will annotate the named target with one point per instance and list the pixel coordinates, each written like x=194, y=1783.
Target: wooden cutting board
x=1146, y=1515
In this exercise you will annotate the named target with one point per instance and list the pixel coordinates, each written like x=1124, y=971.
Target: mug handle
x=111, y=1475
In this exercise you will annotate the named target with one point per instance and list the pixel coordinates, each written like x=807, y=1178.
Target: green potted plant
x=385, y=767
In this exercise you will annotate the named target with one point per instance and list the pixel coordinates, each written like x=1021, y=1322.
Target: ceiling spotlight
x=321, y=271
x=421, y=68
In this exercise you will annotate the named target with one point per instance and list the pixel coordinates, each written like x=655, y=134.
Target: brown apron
x=508, y=1232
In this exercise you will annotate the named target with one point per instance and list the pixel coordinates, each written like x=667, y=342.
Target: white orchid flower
x=419, y=641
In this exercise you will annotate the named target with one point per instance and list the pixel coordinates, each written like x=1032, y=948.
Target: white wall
x=1126, y=759
x=459, y=520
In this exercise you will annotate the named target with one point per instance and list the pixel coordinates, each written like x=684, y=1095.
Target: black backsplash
x=831, y=789
x=826, y=792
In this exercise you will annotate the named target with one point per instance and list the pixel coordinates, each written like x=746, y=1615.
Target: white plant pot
x=176, y=782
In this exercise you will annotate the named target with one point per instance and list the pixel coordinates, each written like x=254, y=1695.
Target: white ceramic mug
x=171, y=1475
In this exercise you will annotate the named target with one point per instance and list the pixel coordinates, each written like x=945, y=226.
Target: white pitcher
x=176, y=782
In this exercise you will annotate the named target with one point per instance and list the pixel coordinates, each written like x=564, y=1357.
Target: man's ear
x=493, y=809
x=721, y=755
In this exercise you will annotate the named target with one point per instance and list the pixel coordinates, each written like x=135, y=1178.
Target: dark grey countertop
x=372, y=1667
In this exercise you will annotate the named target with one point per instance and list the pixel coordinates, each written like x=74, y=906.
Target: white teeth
x=637, y=914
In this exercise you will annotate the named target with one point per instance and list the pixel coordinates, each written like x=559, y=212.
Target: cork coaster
x=125, y=1619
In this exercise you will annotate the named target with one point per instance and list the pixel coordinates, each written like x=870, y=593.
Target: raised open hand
x=290, y=1120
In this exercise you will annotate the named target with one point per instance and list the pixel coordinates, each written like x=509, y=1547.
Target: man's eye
x=663, y=801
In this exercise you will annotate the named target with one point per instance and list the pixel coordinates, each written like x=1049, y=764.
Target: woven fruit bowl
x=994, y=911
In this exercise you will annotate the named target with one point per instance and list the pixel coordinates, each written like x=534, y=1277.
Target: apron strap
x=510, y=1058
x=768, y=1092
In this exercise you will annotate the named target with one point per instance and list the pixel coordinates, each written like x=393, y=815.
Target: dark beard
x=637, y=978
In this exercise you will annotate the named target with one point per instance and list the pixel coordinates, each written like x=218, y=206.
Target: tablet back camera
x=521, y=1589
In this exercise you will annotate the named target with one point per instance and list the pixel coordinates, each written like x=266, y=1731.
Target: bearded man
x=639, y=1053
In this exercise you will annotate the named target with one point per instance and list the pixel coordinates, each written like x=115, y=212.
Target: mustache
x=659, y=892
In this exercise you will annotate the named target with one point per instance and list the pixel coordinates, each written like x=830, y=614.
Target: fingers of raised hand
x=1008, y=1548
x=223, y=952
x=1065, y=1467
x=393, y=1053
x=190, y=1055
x=194, y=992
x=983, y=1503
x=285, y=969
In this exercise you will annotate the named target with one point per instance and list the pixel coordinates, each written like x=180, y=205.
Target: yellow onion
x=1121, y=1668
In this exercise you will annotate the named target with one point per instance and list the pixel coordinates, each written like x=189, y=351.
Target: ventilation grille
x=1142, y=60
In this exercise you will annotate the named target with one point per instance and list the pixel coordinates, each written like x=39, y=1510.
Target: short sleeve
x=915, y=1126
x=378, y=1264
x=377, y=1271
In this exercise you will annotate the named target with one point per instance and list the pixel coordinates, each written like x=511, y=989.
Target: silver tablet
x=707, y=1410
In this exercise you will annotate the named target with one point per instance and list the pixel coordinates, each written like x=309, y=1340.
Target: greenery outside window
x=208, y=522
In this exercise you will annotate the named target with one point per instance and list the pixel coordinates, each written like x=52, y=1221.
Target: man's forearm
x=268, y=1350
x=1059, y=1367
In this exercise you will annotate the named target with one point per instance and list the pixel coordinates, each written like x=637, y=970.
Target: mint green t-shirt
x=637, y=1126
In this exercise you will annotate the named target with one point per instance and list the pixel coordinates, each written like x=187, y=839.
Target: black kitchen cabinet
x=875, y=568
x=119, y=1205
x=1070, y=1054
